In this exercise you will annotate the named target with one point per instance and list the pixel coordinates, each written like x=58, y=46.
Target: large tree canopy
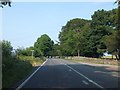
x=89, y=38
x=113, y=43
x=6, y=48
x=69, y=34
x=103, y=23
x=84, y=37
x=44, y=44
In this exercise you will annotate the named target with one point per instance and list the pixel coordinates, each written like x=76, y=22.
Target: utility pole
x=32, y=53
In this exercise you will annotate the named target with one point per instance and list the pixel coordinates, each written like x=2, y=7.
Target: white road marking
x=84, y=76
x=29, y=77
x=85, y=82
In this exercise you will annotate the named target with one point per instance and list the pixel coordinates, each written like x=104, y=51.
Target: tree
x=44, y=44
x=6, y=48
x=104, y=18
x=5, y=2
x=21, y=51
x=113, y=41
x=84, y=37
x=37, y=52
x=55, y=50
x=113, y=44
x=119, y=15
x=79, y=40
x=28, y=51
x=69, y=34
x=103, y=23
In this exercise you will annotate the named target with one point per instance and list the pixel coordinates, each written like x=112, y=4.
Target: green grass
x=96, y=61
x=34, y=61
x=109, y=57
x=15, y=69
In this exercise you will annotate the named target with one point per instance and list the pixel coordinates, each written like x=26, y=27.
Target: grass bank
x=33, y=61
x=15, y=69
x=93, y=60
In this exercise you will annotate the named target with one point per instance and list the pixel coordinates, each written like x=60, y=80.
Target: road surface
x=59, y=73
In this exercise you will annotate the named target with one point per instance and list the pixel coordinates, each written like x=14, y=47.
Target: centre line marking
x=85, y=82
x=85, y=77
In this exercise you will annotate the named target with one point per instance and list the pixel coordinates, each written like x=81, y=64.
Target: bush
x=6, y=48
x=14, y=70
x=35, y=61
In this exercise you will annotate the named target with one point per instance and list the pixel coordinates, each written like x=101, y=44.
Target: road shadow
x=58, y=76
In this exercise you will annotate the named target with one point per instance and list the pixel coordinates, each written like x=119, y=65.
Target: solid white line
x=85, y=77
x=30, y=76
x=85, y=82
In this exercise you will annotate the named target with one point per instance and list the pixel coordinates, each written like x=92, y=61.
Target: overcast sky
x=24, y=22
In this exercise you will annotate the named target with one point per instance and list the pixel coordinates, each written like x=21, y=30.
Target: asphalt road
x=59, y=73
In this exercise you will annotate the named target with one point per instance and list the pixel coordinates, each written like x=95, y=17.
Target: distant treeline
x=80, y=37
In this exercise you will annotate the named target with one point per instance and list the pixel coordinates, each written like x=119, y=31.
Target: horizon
x=24, y=22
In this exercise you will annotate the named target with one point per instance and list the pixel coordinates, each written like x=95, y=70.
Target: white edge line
x=30, y=76
x=85, y=82
x=85, y=77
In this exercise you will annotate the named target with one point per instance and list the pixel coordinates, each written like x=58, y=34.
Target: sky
x=24, y=22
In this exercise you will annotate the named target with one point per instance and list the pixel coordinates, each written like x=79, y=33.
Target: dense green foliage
x=113, y=41
x=102, y=24
x=15, y=68
x=25, y=52
x=89, y=37
x=33, y=61
x=43, y=45
x=6, y=48
x=70, y=35
x=56, y=50
x=113, y=44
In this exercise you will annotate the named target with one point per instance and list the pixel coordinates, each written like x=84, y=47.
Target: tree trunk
x=117, y=57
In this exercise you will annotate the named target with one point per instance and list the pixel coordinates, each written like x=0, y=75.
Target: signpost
x=32, y=53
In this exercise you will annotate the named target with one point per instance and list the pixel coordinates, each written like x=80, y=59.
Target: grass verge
x=15, y=69
x=95, y=61
x=33, y=61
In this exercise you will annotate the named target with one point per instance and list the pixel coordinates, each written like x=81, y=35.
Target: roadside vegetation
x=13, y=70
x=105, y=61
x=79, y=37
x=109, y=57
x=92, y=38
x=16, y=67
x=35, y=61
